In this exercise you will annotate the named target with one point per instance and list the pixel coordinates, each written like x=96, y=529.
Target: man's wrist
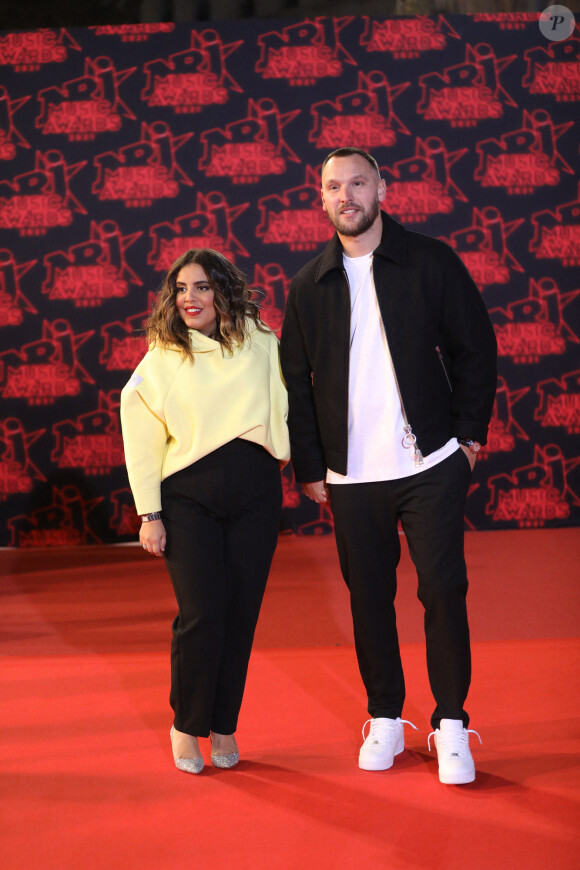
x=474, y=446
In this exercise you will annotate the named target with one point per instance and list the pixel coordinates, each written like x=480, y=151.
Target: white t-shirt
x=376, y=425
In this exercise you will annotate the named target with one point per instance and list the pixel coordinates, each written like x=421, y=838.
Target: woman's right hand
x=152, y=537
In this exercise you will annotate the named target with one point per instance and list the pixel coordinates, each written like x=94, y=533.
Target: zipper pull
x=410, y=440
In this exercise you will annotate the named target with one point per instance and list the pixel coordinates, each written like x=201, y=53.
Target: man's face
x=351, y=194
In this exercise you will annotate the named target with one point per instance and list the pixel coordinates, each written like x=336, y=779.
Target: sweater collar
x=393, y=246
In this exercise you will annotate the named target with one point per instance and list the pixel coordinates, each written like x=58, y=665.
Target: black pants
x=222, y=517
x=431, y=508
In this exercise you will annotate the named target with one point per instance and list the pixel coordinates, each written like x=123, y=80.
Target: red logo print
x=526, y=159
x=534, y=327
x=535, y=494
x=190, y=80
x=83, y=107
x=483, y=247
x=10, y=138
x=210, y=226
x=13, y=303
x=92, y=271
x=133, y=32
x=503, y=429
x=421, y=185
x=296, y=217
x=365, y=115
x=45, y=370
x=304, y=53
x=93, y=442
x=124, y=342
x=17, y=471
x=62, y=523
x=466, y=93
x=28, y=51
x=407, y=37
x=559, y=403
x=40, y=200
x=554, y=70
x=251, y=148
x=274, y=284
x=557, y=234
x=143, y=172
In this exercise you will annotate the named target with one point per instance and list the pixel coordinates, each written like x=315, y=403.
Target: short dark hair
x=350, y=151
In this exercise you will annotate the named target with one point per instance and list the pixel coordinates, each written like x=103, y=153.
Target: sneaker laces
x=381, y=730
x=453, y=743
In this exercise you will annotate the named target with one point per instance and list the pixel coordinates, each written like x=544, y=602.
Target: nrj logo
x=554, y=70
x=45, y=370
x=469, y=92
x=484, y=249
x=37, y=201
x=125, y=519
x=503, y=428
x=534, y=327
x=132, y=32
x=421, y=186
x=407, y=37
x=13, y=303
x=209, y=226
x=251, y=148
x=535, y=494
x=84, y=107
x=29, y=50
x=272, y=283
x=124, y=343
x=143, y=172
x=557, y=233
x=93, y=441
x=365, y=115
x=526, y=159
x=189, y=80
x=559, y=402
x=304, y=53
x=17, y=471
x=10, y=138
x=93, y=271
x=63, y=521
x=295, y=218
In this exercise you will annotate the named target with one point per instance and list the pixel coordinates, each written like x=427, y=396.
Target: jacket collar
x=393, y=246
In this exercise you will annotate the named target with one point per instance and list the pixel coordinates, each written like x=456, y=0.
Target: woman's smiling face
x=194, y=299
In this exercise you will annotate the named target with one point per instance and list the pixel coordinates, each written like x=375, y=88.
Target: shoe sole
x=378, y=765
x=456, y=780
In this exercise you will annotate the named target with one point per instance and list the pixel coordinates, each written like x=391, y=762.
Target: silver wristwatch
x=474, y=446
x=146, y=518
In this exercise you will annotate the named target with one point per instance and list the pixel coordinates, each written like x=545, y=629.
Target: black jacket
x=440, y=337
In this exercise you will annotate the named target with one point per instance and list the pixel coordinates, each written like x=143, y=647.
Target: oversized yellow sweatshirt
x=174, y=411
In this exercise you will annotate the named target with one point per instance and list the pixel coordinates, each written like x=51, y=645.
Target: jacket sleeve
x=470, y=342
x=305, y=444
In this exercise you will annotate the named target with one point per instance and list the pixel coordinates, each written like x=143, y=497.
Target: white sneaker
x=451, y=740
x=384, y=741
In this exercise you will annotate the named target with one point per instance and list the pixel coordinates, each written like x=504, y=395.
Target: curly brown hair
x=234, y=303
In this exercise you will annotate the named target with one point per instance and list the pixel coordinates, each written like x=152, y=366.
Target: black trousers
x=431, y=508
x=222, y=517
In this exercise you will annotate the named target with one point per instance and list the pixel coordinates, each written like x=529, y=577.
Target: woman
x=204, y=427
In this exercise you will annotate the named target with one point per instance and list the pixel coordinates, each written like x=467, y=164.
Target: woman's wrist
x=148, y=518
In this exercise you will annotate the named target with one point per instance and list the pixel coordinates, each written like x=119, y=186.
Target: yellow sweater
x=174, y=412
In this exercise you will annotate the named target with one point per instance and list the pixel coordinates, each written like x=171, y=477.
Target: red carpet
x=87, y=775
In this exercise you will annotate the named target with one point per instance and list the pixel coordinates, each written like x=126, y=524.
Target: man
x=389, y=358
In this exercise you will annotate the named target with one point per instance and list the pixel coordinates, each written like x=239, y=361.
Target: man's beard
x=364, y=222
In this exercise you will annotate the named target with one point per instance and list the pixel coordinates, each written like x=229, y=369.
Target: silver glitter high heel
x=225, y=761
x=187, y=765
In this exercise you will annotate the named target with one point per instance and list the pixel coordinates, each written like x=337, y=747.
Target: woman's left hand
x=152, y=537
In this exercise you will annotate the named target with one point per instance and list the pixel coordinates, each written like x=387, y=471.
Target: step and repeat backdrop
x=121, y=147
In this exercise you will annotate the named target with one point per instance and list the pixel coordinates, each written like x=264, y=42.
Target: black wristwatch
x=474, y=446
x=146, y=518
